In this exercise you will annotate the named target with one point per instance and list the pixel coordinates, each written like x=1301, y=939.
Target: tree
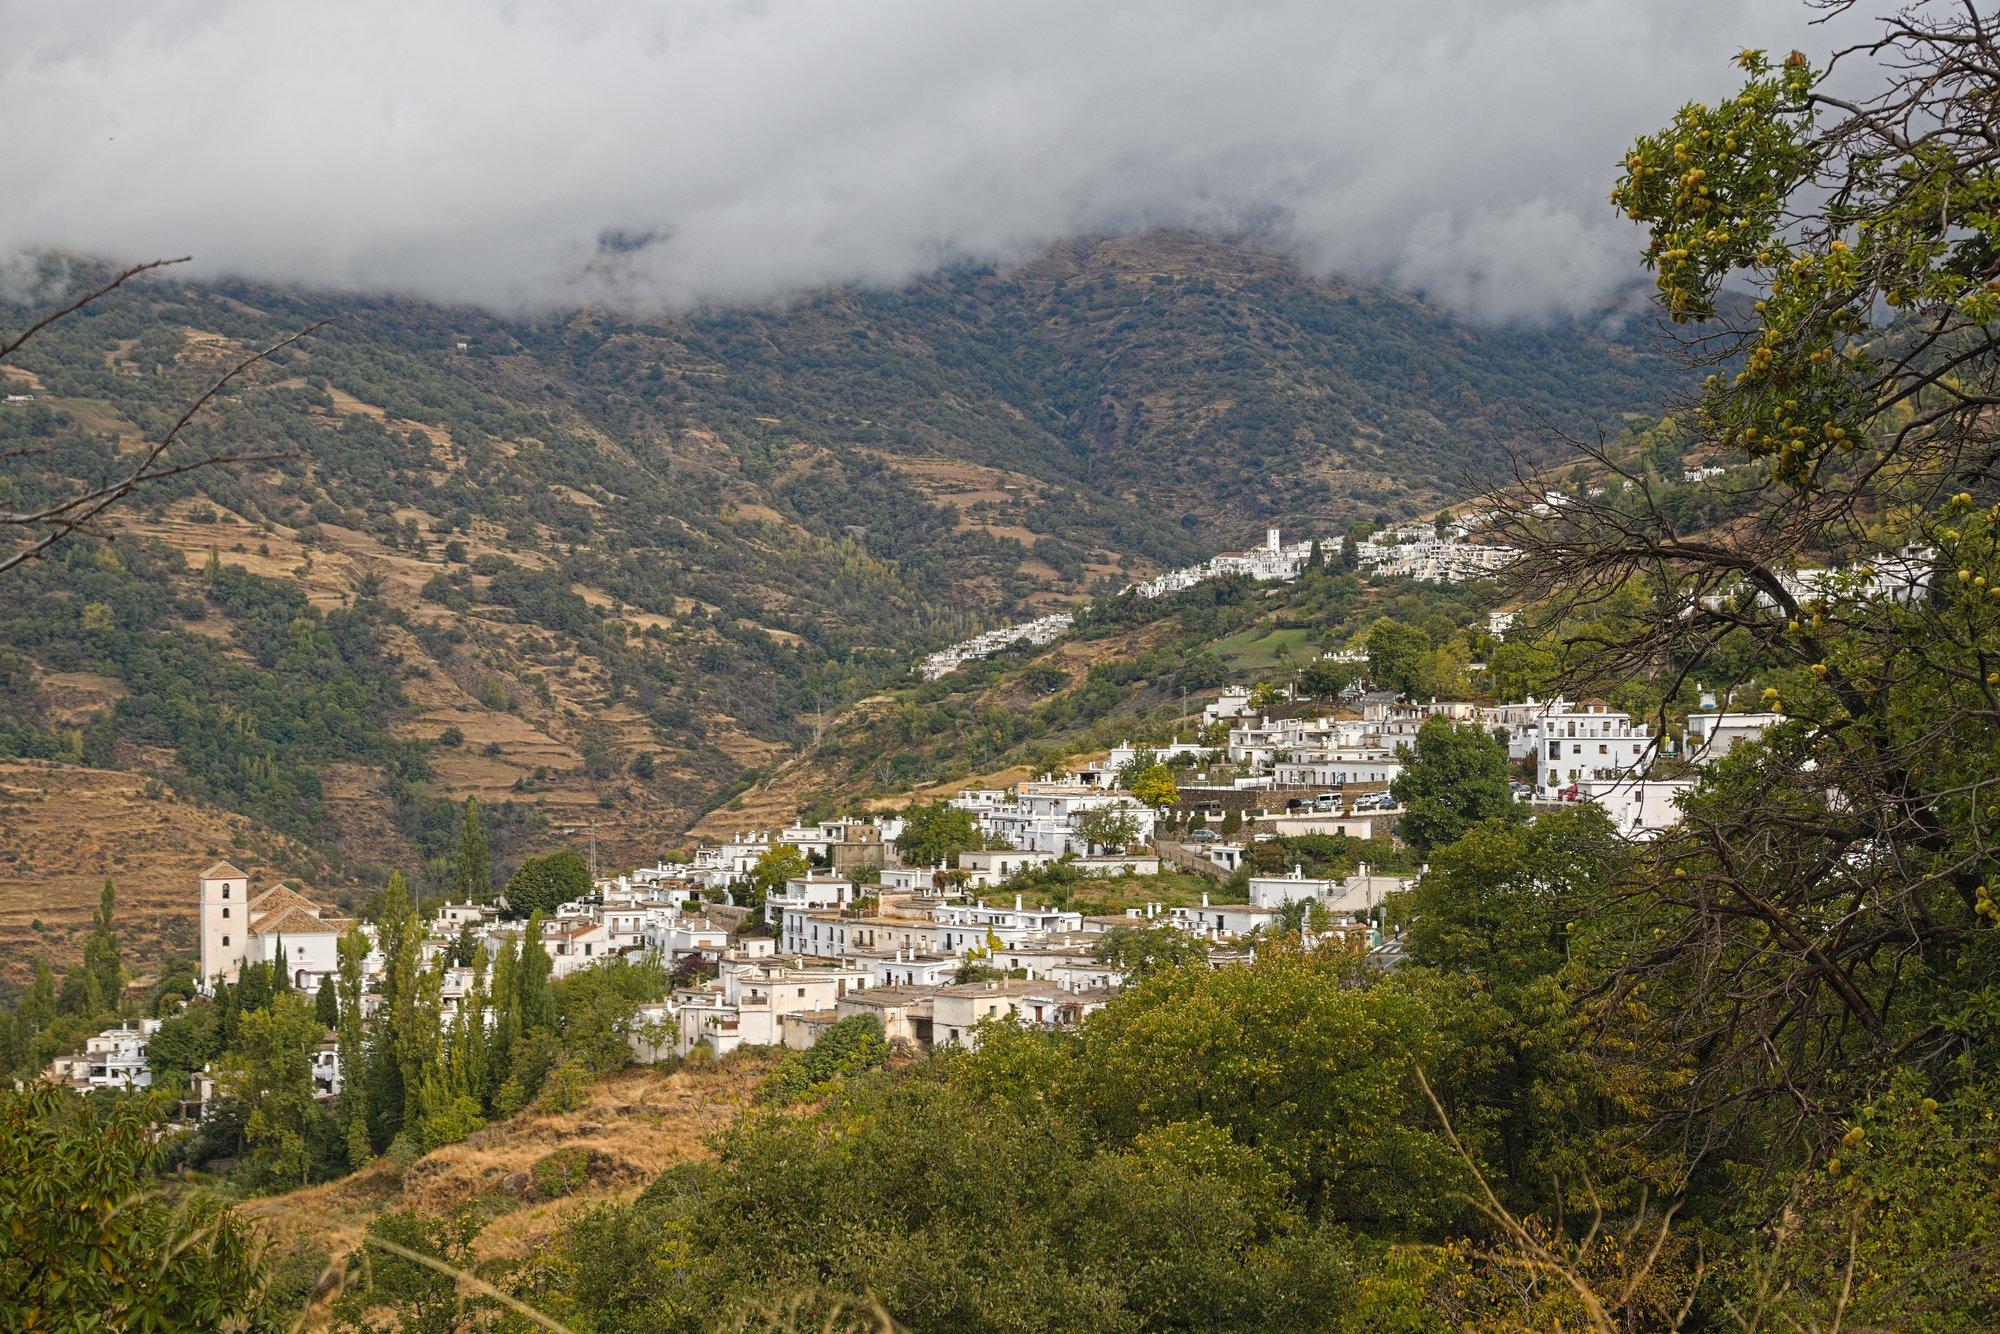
x=1294, y=1060
x=1140, y=951
x=1519, y=670
x=1773, y=942
x=1503, y=902
x=100, y=952
x=1456, y=777
x=32, y=531
x=268, y=1071
x=1149, y=780
x=1108, y=828
x=935, y=832
x=545, y=883
x=471, y=866
x=87, y=1236
x=534, y=1005
x=1397, y=655
x=351, y=1037
x=183, y=1045
x=774, y=866
x=326, y=1004
x=1323, y=678
x=847, y=1047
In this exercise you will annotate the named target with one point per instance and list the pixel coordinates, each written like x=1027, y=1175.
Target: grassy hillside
x=1132, y=670
x=598, y=570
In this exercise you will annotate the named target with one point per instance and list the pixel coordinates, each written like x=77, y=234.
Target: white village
x=933, y=952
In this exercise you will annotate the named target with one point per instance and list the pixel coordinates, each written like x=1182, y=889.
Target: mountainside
x=607, y=571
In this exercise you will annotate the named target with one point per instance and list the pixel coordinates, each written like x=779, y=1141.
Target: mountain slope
x=598, y=570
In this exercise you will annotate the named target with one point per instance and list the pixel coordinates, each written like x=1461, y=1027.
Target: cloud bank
x=661, y=155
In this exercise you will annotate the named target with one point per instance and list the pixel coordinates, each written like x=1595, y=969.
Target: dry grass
x=636, y=1124
x=64, y=828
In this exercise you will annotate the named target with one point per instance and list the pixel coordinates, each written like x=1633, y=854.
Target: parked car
x=1204, y=836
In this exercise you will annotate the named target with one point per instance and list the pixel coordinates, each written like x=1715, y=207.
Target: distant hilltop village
x=1432, y=553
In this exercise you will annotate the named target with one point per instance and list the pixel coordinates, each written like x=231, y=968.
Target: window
x=802, y=991
x=225, y=912
x=225, y=942
x=225, y=891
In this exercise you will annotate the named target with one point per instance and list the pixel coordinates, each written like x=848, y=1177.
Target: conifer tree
x=326, y=1005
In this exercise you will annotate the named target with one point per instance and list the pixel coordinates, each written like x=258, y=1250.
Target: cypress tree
x=326, y=1005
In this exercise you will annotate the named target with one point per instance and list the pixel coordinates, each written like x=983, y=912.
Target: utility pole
x=589, y=826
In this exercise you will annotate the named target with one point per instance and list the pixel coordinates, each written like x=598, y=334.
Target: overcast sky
x=480, y=151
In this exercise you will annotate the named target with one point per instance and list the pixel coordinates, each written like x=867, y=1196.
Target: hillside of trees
x=614, y=570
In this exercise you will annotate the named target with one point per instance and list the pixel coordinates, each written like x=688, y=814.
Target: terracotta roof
x=279, y=895
x=222, y=871
x=292, y=921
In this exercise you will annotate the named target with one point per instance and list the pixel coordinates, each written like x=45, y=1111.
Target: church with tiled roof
x=275, y=925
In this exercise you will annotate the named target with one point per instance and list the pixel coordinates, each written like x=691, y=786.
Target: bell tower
x=225, y=923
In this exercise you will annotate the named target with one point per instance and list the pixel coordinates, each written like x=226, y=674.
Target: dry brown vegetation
x=634, y=1125
x=64, y=828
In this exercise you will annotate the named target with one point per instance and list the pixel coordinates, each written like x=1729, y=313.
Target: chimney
x=1204, y=898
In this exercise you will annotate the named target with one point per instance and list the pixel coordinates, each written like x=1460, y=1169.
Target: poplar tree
x=472, y=870
x=100, y=952
x=394, y=926
x=536, y=1005
x=505, y=989
x=352, y=1038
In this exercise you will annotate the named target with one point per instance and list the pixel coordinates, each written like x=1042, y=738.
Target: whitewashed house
x=1589, y=744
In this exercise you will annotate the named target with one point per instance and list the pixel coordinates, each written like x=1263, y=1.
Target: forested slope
x=608, y=569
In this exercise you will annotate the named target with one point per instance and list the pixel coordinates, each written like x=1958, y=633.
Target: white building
x=1640, y=807
x=985, y=869
x=1590, y=744
x=1215, y=921
x=276, y=925
x=814, y=889
x=114, y=1060
x=1711, y=736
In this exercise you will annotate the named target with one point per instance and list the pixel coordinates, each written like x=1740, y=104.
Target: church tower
x=225, y=923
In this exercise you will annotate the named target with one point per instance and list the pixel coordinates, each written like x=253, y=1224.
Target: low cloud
x=656, y=156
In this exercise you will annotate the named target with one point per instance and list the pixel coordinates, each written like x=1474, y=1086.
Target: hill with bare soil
x=607, y=573
x=523, y=1178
